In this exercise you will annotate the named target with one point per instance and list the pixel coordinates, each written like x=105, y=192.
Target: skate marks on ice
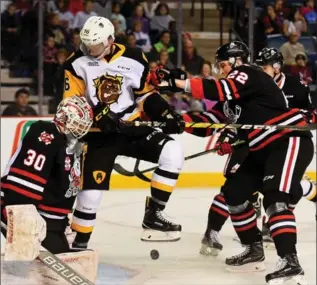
x=118, y=231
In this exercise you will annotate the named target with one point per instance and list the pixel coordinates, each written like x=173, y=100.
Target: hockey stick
x=140, y=174
x=58, y=266
x=308, y=127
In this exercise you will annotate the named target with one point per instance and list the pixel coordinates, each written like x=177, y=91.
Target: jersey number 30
x=35, y=160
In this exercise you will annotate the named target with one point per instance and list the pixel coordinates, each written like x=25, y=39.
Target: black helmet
x=270, y=56
x=232, y=51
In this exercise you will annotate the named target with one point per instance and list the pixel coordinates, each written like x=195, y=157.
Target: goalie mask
x=96, y=37
x=74, y=116
x=227, y=57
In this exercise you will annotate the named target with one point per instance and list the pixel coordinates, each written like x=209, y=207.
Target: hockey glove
x=164, y=74
x=223, y=148
x=105, y=119
x=174, y=122
x=310, y=116
x=226, y=138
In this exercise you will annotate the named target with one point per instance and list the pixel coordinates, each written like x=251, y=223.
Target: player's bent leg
x=84, y=217
x=243, y=218
x=309, y=189
x=217, y=216
x=282, y=226
x=156, y=226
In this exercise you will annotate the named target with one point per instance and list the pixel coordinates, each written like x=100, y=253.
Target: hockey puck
x=154, y=254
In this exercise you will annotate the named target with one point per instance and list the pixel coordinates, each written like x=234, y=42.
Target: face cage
x=77, y=127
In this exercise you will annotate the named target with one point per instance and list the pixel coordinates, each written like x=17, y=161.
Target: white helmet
x=96, y=30
x=74, y=116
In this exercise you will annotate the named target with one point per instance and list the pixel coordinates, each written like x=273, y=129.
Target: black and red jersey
x=250, y=96
x=43, y=172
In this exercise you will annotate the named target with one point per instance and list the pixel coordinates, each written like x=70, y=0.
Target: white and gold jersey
x=118, y=79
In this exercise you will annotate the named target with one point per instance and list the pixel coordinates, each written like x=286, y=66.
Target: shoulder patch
x=46, y=138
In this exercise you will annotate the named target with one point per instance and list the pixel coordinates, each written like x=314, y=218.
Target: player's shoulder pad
x=135, y=54
x=44, y=131
x=75, y=55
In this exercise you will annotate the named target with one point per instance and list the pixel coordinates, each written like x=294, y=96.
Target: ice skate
x=156, y=227
x=210, y=244
x=268, y=242
x=288, y=270
x=250, y=260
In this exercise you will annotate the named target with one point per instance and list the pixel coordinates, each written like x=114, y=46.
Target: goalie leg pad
x=26, y=229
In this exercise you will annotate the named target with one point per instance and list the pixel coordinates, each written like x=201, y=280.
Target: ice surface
x=125, y=260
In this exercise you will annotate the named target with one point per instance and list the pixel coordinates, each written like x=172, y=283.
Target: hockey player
x=298, y=96
x=275, y=164
x=45, y=169
x=113, y=78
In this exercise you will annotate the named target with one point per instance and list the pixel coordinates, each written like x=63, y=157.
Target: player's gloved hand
x=223, y=148
x=170, y=75
x=174, y=122
x=310, y=116
x=105, y=119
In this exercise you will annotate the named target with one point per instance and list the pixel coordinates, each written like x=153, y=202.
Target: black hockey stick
x=59, y=267
x=140, y=174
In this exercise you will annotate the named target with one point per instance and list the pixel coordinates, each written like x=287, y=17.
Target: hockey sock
x=309, y=190
x=162, y=185
x=218, y=213
x=244, y=222
x=283, y=231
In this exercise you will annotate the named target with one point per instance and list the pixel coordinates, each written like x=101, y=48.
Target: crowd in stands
x=147, y=25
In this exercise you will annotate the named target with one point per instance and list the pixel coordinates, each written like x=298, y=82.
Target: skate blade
x=269, y=245
x=295, y=280
x=249, y=267
x=209, y=251
x=158, y=236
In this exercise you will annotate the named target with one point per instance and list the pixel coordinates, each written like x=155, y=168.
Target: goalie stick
x=59, y=267
x=140, y=174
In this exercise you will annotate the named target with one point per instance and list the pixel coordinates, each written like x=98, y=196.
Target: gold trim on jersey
x=146, y=89
x=85, y=149
x=73, y=85
x=161, y=186
x=117, y=53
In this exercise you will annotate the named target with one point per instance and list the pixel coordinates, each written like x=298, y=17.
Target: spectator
x=51, y=6
x=301, y=69
x=281, y=9
x=138, y=15
x=290, y=49
x=21, y=106
x=192, y=61
x=131, y=41
x=153, y=66
x=58, y=87
x=164, y=60
x=119, y=34
x=150, y=7
x=295, y=25
x=128, y=7
x=75, y=6
x=82, y=16
x=142, y=39
x=160, y=21
x=308, y=7
x=55, y=29
x=65, y=16
x=74, y=43
x=49, y=65
x=10, y=31
x=180, y=102
x=206, y=70
x=119, y=17
x=272, y=21
x=103, y=8
x=164, y=43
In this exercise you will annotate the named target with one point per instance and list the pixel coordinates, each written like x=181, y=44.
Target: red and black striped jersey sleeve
x=31, y=165
x=238, y=84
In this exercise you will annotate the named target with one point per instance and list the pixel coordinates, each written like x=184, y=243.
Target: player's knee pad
x=276, y=208
x=88, y=201
x=238, y=208
x=171, y=157
x=272, y=197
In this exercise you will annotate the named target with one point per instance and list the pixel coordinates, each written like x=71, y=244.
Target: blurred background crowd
x=149, y=25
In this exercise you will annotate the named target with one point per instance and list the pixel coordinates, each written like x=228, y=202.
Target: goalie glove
x=105, y=119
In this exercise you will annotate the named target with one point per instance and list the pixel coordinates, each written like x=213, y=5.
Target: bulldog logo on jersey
x=99, y=176
x=108, y=88
x=74, y=178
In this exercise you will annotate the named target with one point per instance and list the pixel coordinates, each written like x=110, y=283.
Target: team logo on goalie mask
x=108, y=88
x=99, y=176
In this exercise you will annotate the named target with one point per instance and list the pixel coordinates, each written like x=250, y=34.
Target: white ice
x=125, y=260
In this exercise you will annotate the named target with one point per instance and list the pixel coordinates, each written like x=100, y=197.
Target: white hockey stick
x=59, y=267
